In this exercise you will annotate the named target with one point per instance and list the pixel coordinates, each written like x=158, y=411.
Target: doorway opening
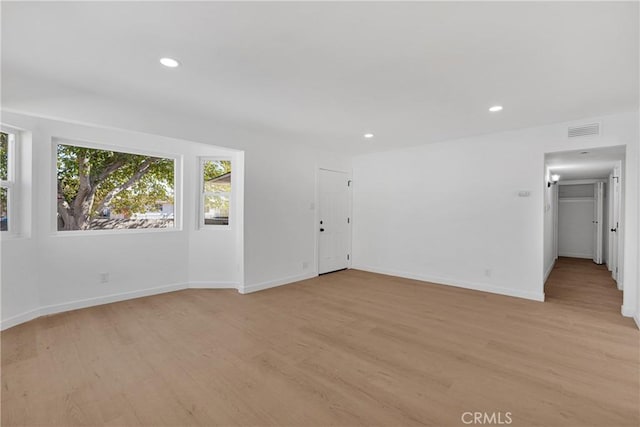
x=583, y=250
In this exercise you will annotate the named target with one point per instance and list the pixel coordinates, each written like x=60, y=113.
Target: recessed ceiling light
x=368, y=135
x=169, y=62
x=495, y=108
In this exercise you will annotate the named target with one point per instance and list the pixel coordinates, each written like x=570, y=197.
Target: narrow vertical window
x=216, y=192
x=7, y=141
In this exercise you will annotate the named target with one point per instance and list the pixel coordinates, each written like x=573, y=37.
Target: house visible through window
x=103, y=190
x=216, y=191
x=7, y=173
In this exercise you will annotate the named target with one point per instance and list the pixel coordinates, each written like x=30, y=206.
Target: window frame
x=10, y=184
x=105, y=146
x=202, y=194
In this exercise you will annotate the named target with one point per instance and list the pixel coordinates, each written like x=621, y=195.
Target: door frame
x=598, y=222
x=622, y=168
x=316, y=217
x=617, y=205
x=556, y=229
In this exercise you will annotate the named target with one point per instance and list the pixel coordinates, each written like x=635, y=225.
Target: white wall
x=637, y=259
x=280, y=173
x=44, y=271
x=279, y=233
x=449, y=212
x=575, y=227
x=216, y=253
x=462, y=214
x=280, y=217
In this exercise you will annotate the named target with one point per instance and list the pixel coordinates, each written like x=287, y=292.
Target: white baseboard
x=19, y=318
x=535, y=296
x=107, y=299
x=576, y=255
x=627, y=311
x=88, y=302
x=637, y=319
x=548, y=272
x=212, y=285
x=273, y=283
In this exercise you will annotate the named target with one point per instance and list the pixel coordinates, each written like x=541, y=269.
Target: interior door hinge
x=349, y=183
x=348, y=220
x=347, y=257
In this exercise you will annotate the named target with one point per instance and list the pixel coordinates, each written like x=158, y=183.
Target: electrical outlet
x=104, y=277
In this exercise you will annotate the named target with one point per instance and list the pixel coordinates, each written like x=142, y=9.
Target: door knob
x=614, y=229
x=322, y=229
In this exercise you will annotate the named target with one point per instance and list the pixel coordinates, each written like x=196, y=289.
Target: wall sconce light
x=554, y=180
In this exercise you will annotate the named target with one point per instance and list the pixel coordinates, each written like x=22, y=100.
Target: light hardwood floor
x=350, y=348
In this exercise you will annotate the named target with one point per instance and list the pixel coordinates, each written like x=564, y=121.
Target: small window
x=215, y=199
x=105, y=190
x=7, y=161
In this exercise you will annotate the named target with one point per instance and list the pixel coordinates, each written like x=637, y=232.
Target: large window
x=216, y=191
x=7, y=162
x=103, y=189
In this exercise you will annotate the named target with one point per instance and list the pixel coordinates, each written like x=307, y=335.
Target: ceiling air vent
x=584, y=130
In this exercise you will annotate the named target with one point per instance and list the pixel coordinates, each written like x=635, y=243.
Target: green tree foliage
x=91, y=181
x=4, y=155
x=217, y=179
x=4, y=170
x=213, y=171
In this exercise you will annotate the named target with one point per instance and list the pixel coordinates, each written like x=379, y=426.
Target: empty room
x=320, y=213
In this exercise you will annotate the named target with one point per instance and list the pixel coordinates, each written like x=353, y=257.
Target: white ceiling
x=409, y=72
x=585, y=164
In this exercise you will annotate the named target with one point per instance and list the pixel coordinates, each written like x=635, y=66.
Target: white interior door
x=575, y=227
x=614, y=222
x=335, y=224
x=598, y=218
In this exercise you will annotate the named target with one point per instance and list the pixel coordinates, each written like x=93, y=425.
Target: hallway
x=584, y=286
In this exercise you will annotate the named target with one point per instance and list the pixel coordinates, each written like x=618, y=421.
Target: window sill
x=93, y=233
x=13, y=236
x=214, y=227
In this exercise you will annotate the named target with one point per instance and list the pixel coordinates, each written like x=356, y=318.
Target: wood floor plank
x=349, y=348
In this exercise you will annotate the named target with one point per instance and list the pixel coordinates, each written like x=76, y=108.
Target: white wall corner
x=212, y=285
x=628, y=312
x=247, y=289
x=549, y=270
